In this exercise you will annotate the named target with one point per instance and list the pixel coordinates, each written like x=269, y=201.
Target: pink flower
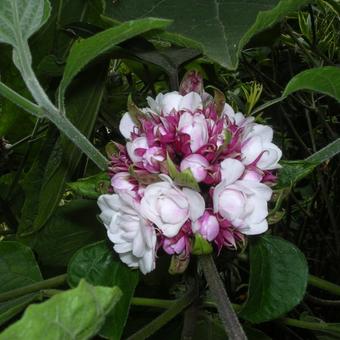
x=207, y=225
x=258, y=148
x=197, y=164
x=196, y=127
x=242, y=202
x=169, y=207
x=142, y=155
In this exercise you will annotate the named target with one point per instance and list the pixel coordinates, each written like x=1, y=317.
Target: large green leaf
x=47, y=179
x=322, y=79
x=76, y=314
x=219, y=27
x=18, y=267
x=278, y=279
x=19, y=19
x=97, y=265
x=85, y=51
x=71, y=228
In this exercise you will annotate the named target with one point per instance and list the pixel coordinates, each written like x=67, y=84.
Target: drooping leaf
x=278, y=279
x=75, y=314
x=96, y=264
x=293, y=171
x=18, y=266
x=219, y=28
x=55, y=167
x=322, y=79
x=85, y=51
x=19, y=19
x=71, y=228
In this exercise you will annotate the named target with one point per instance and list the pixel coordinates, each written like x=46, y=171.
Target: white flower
x=134, y=237
x=167, y=103
x=258, y=147
x=242, y=202
x=196, y=127
x=169, y=207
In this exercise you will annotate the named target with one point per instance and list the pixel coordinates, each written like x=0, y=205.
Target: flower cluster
x=191, y=167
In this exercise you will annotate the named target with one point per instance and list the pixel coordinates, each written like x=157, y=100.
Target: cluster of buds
x=191, y=169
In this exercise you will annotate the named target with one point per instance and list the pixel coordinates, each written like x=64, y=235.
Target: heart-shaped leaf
x=278, y=279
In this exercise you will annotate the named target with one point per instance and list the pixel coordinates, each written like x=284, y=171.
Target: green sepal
x=201, y=246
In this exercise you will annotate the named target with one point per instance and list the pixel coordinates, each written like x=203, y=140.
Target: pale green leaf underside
x=75, y=314
x=322, y=79
x=219, y=28
x=19, y=19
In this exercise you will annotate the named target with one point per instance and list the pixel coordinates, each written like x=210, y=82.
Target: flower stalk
x=225, y=309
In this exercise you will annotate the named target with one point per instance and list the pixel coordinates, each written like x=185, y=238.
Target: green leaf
x=184, y=178
x=20, y=19
x=91, y=187
x=84, y=51
x=293, y=171
x=201, y=246
x=219, y=28
x=71, y=228
x=18, y=267
x=322, y=79
x=97, y=265
x=278, y=279
x=53, y=168
x=75, y=314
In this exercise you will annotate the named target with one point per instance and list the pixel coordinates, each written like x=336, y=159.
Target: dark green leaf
x=322, y=79
x=56, y=167
x=219, y=28
x=84, y=51
x=71, y=228
x=326, y=153
x=97, y=265
x=18, y=267
x=278, y=279
x=75, y=314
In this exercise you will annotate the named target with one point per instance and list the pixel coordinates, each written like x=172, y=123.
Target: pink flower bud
x=207, y=225
x=197, y=164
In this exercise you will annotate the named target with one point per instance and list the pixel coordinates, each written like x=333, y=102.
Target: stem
x=157, y=303
x=228, y=317
x=176, y=307
x=314, y=326
x=324, y=285
x=45, y=284
x=19, y=100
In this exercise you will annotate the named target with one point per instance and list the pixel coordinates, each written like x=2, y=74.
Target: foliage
x=68, y=70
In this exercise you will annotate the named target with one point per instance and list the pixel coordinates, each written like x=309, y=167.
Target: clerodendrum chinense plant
x=91, y=56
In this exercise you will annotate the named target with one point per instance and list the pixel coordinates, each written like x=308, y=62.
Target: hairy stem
x=225, y=309
x=35, y=287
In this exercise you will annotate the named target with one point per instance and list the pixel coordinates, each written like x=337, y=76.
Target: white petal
x=257, y=228
x=171, y=102
x=191, y=102
x=126, y=125
x=251, y=150
x=196, y=203
x=231, y=170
